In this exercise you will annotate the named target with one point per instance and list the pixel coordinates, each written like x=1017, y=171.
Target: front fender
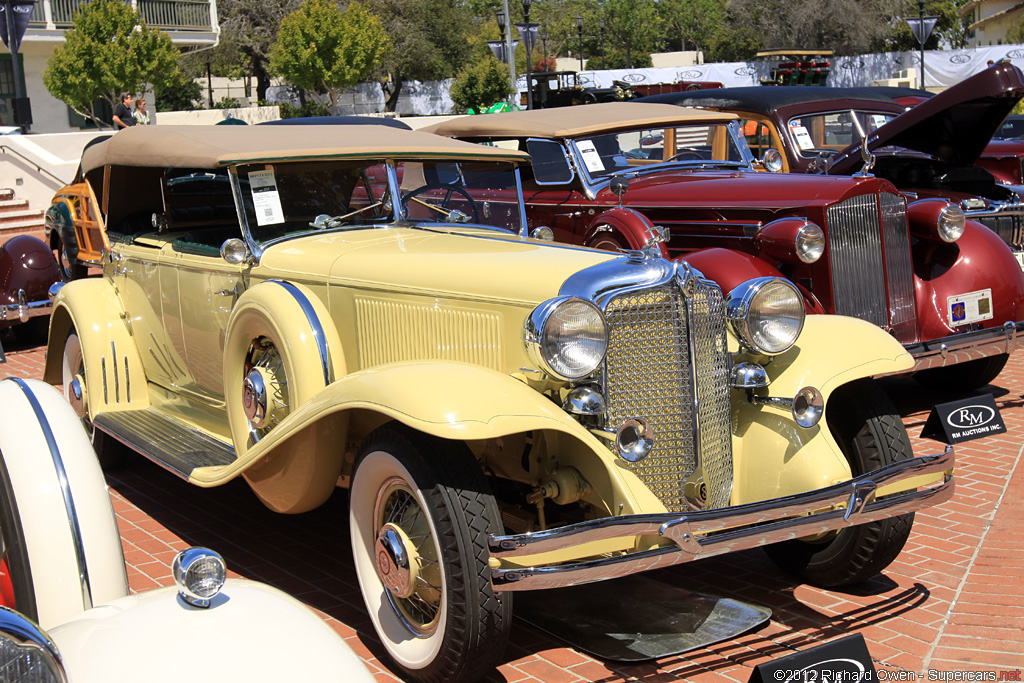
x=143, y=637
x=114, y=374
x=978, y=260
x=455, y=401
x=632, y=226
x=772, y=455
x=58, y=222
x=62, y=532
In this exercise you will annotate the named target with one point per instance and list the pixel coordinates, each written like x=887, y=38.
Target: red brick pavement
x=950, y=603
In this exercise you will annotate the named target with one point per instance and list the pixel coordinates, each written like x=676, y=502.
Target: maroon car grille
x=869, y=252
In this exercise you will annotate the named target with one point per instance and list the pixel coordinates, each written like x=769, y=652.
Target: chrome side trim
x=65, y=488
x=706, y=533
x=314, y=323
x=38, y=654
x=960, y=348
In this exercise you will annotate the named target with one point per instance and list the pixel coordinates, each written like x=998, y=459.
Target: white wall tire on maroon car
x=441, y=621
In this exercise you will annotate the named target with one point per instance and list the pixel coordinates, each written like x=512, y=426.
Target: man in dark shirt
x=123, y=114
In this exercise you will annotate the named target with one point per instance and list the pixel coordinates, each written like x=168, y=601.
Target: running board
x=165, y=441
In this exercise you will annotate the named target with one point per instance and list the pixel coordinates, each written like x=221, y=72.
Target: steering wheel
x=687, y=155
x=449, y=190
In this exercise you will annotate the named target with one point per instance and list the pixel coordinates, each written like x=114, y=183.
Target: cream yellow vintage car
x=316, y=307
x=65, y=611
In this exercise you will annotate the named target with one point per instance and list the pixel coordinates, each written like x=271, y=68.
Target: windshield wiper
x=323, y=221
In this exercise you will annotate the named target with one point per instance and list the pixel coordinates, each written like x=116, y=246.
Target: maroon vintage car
x=633, y=176
x=27, y=269
x=932, y=148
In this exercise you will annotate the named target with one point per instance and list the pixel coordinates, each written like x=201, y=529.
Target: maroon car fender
x=26, y=263
x=627, y=225
x=979, y=260
x=731, y=268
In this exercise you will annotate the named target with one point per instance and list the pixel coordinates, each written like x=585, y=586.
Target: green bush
x=481, y=85
x=290, y=111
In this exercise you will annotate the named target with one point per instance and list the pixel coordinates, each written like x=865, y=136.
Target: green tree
x=109, y=49
x=325, y=51
x=634, y=26
x=481, y=85
x=183, y=94
x=249, y=30
x=431, y=40
x=694, y=22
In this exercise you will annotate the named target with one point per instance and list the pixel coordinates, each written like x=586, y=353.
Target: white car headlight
x=766, y=314
x=26, y=653
x=810, y=243
x=567, y=337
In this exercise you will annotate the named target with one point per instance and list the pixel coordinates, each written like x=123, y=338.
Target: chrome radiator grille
x=868, y=238
x=649, y=373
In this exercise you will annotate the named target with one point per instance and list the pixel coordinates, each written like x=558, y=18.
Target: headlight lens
x=567, y=337
x=810, y=243
x=767, y=314
x=951, y=223
x=26, y=652
x=199, y=573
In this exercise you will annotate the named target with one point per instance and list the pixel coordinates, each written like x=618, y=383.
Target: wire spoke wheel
x=265, y=388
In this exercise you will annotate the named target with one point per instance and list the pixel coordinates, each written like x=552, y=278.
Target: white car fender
x=251, y=632
x=66, y=526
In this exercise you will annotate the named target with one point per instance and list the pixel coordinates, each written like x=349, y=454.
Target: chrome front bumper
x=960, y=348
x=707, y=533
x=24, y=309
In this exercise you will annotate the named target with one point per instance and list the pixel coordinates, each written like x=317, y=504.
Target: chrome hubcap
x=396, y=565
x=76, y=396
x=254, y=398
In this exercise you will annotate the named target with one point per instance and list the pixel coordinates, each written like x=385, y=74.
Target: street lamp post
x=544, y=43
x=579, y=29
x=920, y=17
x=501, y=29
x=604, y=58
x=528, y=39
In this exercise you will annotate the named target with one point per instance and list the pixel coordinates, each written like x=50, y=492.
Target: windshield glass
x=832, y=131
x=289, y=199
x=700, y=145
x=480, y=192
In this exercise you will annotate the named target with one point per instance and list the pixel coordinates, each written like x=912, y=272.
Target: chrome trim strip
x=65, y=488
x=24, y=310
x=314, y=323
x=706, y=533
x=959, y=348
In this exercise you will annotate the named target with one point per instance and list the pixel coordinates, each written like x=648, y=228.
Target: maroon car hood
x=954, y=126
x=719, y=189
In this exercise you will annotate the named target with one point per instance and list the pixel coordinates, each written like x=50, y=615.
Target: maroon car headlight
x=792, y=240
x=936, y=219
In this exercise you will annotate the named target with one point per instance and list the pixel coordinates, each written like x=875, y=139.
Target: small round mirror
x=234, y=251
x=543, y=232
x=618, y=185
x=773, y=160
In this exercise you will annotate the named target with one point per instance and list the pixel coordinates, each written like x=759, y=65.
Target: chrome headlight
x=951, y=222
x=199, y=573
x=567, y=337
x=810, y=243
x=27, y=654
x=766, y=314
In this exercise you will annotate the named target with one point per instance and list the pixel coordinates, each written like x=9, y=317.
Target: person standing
x=141, y=114
x=123, y=114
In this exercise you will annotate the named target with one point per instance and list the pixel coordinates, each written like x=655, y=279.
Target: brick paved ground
x=951, y=602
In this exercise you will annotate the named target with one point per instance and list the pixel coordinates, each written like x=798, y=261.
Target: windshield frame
x=397, y=215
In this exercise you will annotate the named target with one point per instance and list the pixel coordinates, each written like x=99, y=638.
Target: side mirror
x=234, y=251
x=618, y=186
x=772, y=160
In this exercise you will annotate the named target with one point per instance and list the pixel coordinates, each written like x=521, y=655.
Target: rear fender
x=63, y=525
x=634, y=228
x=114, y=377
x=59, y=223
x=977, y=261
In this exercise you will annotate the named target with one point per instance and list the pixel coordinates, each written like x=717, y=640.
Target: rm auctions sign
x=963, y=420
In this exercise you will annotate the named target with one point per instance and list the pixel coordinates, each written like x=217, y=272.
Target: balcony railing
x=174, y=15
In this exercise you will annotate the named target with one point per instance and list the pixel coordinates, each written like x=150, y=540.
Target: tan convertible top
x=569, y=122
x=212, y=146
